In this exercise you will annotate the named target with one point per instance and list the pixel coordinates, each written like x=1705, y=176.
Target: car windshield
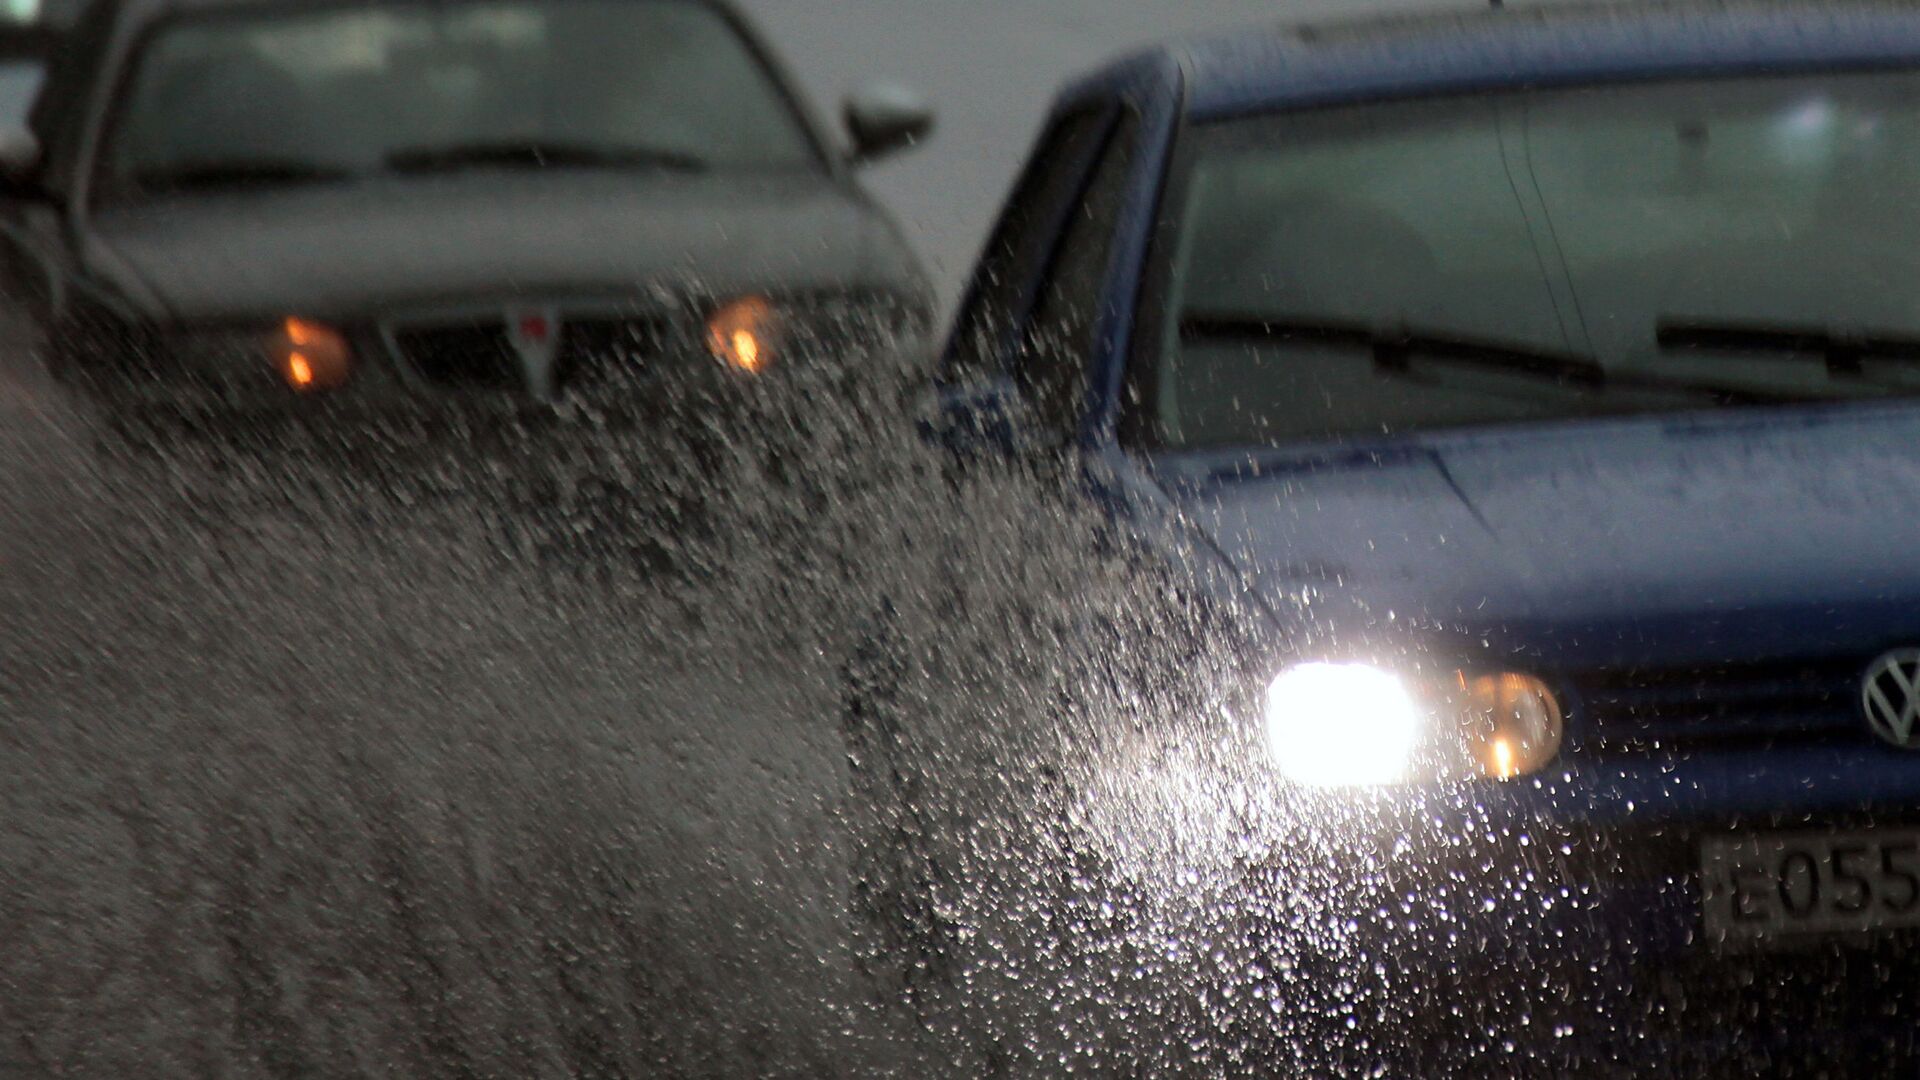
x=1698, y=244
x=339, y=92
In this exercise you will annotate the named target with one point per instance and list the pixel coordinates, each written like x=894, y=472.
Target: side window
x=1020, y=246
x=1057, y=347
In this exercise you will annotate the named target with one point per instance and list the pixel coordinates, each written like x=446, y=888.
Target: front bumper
x=235, y=370
x=603, y=351
x=1562, y=922
x=1553, y=924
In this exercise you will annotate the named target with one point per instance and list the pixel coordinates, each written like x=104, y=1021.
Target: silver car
x=231, y=204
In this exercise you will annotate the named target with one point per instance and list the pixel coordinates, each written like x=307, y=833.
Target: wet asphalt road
x=509, y=801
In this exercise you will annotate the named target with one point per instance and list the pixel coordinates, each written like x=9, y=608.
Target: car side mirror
x=972, y=420
x=990, y=419
x=884, y=119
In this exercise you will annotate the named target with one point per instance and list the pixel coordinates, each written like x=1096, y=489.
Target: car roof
x=1426, y=52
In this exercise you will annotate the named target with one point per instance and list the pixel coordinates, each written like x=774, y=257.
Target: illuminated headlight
x=1358, y=725
x=747, y=334
x=753, y=333
x=1342, y=725
x=311, y=357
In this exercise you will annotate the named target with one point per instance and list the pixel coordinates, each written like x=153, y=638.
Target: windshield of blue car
x=1686, y=245
x=345, y=92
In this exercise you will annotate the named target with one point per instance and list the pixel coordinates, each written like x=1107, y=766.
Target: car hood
x=349, y=250
x=1676, y=540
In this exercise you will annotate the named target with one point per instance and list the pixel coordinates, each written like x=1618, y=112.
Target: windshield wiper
x=1394, y=347
x=236, y=173
x=539, y=154
x=1845, y=352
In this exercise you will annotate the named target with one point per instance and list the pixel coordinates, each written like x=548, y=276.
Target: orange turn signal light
x=1512, y=723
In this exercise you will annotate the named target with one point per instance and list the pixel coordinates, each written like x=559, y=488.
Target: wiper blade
x=238, y=172
x=539, y=154
x=1845, y=352
x=1394, y=348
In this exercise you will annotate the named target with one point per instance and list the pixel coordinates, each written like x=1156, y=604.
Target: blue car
x=1519, y=408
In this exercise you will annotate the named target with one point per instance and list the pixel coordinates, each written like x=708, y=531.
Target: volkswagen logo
x=1891, y=696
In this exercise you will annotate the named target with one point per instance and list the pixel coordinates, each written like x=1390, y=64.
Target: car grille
x=598, y=354
x=479, y=355
x=1646, y=707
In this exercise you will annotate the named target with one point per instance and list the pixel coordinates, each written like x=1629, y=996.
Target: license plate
x=1771, y=886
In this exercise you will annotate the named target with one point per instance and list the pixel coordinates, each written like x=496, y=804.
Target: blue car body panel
x=1430, y=55
x=1763, y=549
x=1674, y=540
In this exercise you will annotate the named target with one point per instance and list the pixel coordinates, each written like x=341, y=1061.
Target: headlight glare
x=1333, y=725
x=1342, y=725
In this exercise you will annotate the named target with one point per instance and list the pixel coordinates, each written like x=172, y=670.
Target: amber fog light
x=1512, y=723
x=312, y=358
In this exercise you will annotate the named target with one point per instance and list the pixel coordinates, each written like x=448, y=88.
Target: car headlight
x=753, y=333
x=747, y=334
x=1358, y=725
x=311, y=357
x=1342, y=725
